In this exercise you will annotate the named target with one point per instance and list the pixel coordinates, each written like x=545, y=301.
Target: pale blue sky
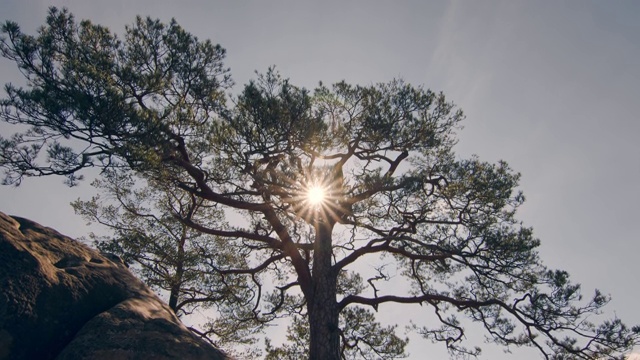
x=553, y=88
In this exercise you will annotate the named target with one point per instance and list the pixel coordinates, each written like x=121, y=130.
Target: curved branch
x=272, y=242
x=291, y=250
x=461, y=304
x=386, y=247
x=254, y=270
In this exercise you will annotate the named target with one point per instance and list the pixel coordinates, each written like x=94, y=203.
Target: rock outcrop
x=62, y=300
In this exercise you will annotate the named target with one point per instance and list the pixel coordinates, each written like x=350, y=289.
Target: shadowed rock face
x=62, y=300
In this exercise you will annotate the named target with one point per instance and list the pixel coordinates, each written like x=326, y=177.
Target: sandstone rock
x=62, y=300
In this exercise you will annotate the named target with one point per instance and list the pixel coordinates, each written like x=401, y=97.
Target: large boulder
x=63, y=300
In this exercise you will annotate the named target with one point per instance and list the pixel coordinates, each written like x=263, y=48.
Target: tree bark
x=322, y=306
x=176, y=282
x=173, y=297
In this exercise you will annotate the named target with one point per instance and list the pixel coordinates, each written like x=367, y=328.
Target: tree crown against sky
x=153, y=104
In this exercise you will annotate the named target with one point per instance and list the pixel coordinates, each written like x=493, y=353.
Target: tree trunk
x=176, y=282
x=322, y=306
x=174, y=294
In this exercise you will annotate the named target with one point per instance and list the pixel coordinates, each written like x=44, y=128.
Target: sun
x=315, y=195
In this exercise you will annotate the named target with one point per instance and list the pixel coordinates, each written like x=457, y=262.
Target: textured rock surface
x=61, y=299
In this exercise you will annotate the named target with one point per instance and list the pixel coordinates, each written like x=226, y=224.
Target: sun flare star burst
x=315, y=195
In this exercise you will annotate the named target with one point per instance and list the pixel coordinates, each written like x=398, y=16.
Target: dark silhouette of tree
x=395, y=193
x=180, y=263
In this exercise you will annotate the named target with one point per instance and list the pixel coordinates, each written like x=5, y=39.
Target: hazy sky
x=553, y=88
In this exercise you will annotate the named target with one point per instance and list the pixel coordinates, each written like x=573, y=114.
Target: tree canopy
x=388, y=190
